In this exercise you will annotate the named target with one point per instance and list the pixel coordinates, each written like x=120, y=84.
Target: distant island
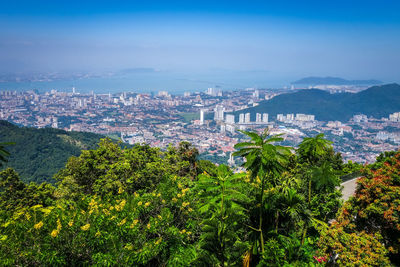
x=310, y=81
x=376, y=101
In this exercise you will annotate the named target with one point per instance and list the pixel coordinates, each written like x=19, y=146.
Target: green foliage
x=39, y=153
x=4, y=154
x=222, y=207
x=141, y=206
x=15, y=194
x=130, y=230
x=368, y=226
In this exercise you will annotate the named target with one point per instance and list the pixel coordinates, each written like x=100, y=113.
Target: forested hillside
x=376, y=101
x=141, y=206
x=39, y=153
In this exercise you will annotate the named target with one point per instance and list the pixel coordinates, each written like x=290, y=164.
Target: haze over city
x=190, y=44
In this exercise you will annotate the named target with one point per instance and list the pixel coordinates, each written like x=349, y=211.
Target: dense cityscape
x=206, y=119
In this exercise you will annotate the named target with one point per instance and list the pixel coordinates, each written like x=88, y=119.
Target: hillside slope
x=376, y=101
x=39, y=153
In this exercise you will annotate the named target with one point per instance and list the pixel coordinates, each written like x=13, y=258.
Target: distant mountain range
x=39, y=153
x=333, y=81
x=376, y=101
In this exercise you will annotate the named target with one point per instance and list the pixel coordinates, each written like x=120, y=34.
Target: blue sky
x=286, y=39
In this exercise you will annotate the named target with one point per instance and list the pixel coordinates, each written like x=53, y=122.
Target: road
x=349, y=187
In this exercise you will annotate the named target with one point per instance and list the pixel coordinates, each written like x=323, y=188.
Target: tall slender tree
x=265, y=161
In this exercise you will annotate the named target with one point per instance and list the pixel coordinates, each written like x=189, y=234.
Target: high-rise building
x=223, y=128
x=265, y=118
x=219, y=113
x=201, y=116
x=241, y=118
x=247, y=118
x=258, y=117
x=256, y=94
x=230, y=118
x=290, y=117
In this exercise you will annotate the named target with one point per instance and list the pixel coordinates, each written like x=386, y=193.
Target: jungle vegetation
x=141, y=206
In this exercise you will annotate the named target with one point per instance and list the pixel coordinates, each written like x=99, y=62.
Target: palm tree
x=310, y=151
x=264, y=161
x=324, y=177
x=312, y=148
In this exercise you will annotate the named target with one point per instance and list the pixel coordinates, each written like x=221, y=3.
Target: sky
x=283, y=39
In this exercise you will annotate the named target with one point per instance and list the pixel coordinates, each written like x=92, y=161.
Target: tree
x=372, y=214
x=222, y=205
x=312, y=148
x=265, y=161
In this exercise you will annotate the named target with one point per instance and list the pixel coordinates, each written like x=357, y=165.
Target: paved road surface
x=349, y=187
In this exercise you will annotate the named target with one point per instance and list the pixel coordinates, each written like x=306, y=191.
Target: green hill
x=39, y=153
x=376, y=101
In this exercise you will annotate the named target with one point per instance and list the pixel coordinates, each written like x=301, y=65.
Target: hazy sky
x=352, y=39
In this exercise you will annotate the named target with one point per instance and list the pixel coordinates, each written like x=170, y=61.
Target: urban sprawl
x=209, y=120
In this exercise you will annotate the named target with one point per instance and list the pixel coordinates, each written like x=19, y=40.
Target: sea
x=173, y=82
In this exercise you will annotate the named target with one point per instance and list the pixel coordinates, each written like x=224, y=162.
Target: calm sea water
x=175, y=83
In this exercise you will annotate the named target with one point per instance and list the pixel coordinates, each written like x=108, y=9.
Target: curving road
x=349, y=188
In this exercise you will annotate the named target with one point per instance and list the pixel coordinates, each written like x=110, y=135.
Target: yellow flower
x=120, y=190
x=83, y=212
x=85, y=227
x=189, y=233
x=46, y=211
x=122, y=222
x=159, y=217
x=128, y=246
x=54, y=233
x=147, y=204
x=70, y=223
x=159, y=195
x=190, y=209
x=179, y=195
x=133, y=223
x=148, y=226
x=174, y=199
x=92, y=202
x=184, y=204
x=184, y=190
x=183, y=231
x=58, y=225
x=97, y=234
x=139, y=203
x=38, y=225
x=163, y=201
